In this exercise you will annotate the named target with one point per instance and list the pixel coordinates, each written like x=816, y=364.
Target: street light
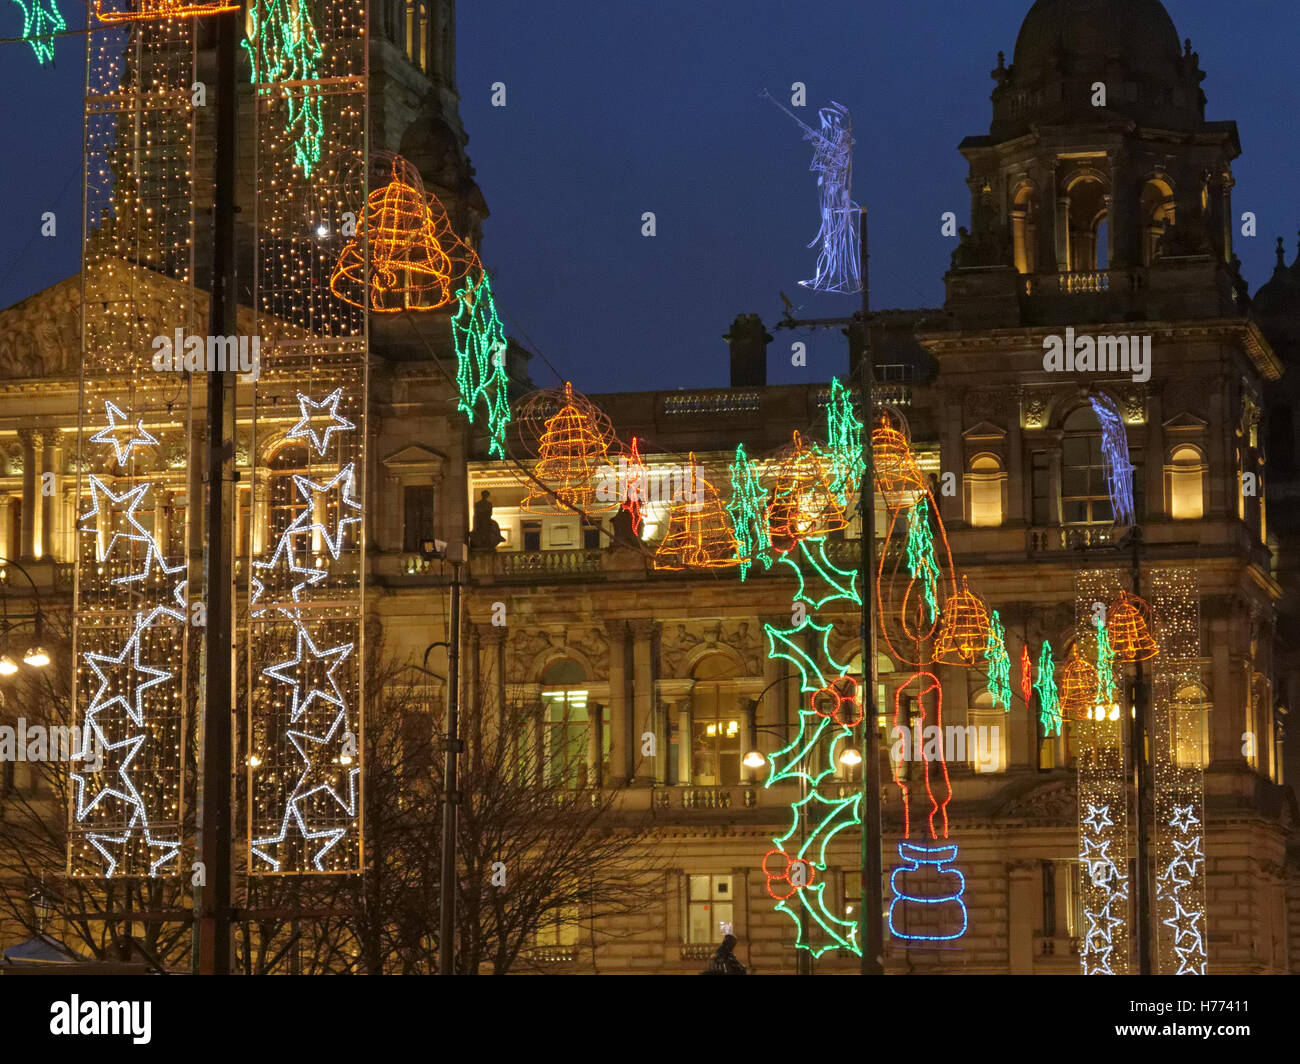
x=36, y=655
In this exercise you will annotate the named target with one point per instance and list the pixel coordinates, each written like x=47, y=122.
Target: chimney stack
x=748, y=340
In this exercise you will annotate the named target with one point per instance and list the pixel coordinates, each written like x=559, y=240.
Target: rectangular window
x=1042, y=488
x=417, y=516
x=575, y=739
x=709, y=905
x=715, y=736
x=852, y=893
x=558, y=928
x=591, y=537
x=531, y=536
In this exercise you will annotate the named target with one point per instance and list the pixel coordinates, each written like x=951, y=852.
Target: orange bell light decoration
x=1078, y=691
x=803, y=503
x=1129, y=624
x=963, y=629
x=699, y=534
x=572, y=455
x=149, y=10
x=895, y=467
x=416, y=259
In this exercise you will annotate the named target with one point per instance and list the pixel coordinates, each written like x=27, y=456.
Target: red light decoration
x=1026, y=675
x=415, y=256
x=830, y=702
x=149, y=10
x=781, y=884
x=636, y=489
x=916, y=690
x=1129, y=623
x=963, y=629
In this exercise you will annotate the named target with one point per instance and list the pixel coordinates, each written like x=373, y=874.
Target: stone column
x=5, y=525
x=1061, y=228
x=620, y=768
x=30, y=441
x=1226, y=186
x=643, y=704
x=1020, y=904
x=51, y=463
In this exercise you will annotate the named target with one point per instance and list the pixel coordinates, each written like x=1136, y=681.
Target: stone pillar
x=620, y=768
x=1062, y=230
x=1021, y=906
x=51, y=463
x=680, y=713
x=1017, y=489
x=1226, y=186
x=5, y=524
x=643, y=704
x=1045, y=252
x=30, y=441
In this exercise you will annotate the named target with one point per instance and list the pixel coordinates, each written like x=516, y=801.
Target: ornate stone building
x=1107, y=219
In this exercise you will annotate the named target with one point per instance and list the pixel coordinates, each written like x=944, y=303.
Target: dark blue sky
x=618, y=108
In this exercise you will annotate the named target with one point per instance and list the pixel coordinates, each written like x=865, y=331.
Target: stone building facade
x=607, y=650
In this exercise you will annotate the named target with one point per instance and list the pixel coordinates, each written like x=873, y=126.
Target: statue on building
x=622, y=529
x=486, y=533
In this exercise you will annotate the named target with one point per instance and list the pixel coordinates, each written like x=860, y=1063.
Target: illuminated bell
x=1078, y=687
x=699, y=532
x=571, y=453
x=894, y=466
x=963, y=629
x=147, y=10
x=1129, y=623
x=803, y=503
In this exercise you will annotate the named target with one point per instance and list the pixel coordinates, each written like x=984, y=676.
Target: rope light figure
x=480, y=341
x=803, y=503
x=839, y=267
x=1078, y=692
x=148, y=10
x=284, y=51
x=41, y=21
x=573, y=445
x=699, y=532
x=1119, y=470
x=416, y=259
x=636, y=485
x=897, y=474
x=748, y=509
x=1129, y=624
x=963, y=629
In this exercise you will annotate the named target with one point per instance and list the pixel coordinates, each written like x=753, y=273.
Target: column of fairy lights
x=305, y=580
x=131, y=608
x=1177, y=757
x=1103, y=800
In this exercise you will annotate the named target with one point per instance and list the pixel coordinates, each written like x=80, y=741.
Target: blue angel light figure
x=1119, y=470
x=839, y=262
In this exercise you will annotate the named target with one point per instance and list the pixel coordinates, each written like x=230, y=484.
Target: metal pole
x=871, y=917
x=451, y=796
x=215, y=798
x=1142, y=781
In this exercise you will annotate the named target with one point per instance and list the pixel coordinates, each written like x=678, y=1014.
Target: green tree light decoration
x=843, y=443
x=999, y=662
x=748, y=509
x=41, y=20
x=283, y=47
x=480, y=341
x=1105, y=665
x=1049, y=704
x=920, y=554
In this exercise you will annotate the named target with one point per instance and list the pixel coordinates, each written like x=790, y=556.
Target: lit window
x=571, y=729
x=708, y=908
x=715, y=725
x=1085, y=490
x=985, y=736
x=1186, y=493
x=984, y=491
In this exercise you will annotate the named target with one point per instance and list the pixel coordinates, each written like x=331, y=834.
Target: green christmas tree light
x=843, y=443
x=41, y=20
x=1049, y=704
x=995, y=653
x=1105, y=665
x=282, y=46
x=480, y=341
x=920, y=554
x=748, y=508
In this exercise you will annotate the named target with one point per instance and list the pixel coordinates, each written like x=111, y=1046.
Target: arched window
x=984, y=483
x=985, y=736
x=1088, y=215
x=417, y=32
x=1085, y=491
x=1185, y=483
x=573, y=734
x=1190, y=707
x=1024, y=229
x=717, y=712
x=1157, y=208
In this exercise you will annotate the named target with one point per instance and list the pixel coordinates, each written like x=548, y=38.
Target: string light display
x=803, y=504
x=41, y=21
x=1103, y=806
x=1026, y=675
x=1114, y=445
x=1049, y=706
x=480, y=342
x=920, y=555
x=699, y=534
x=843, y=443
x=963, y=629
x=284, y=58
x=636, y=491
x=748, y=509
x=1178, y=761
x=154, y=10
x=303, y=693
x=1129, y=621
x=1105, y=695
x=999, y=663
x=1079, y=684
x=897, y=475
x=135, y=663
x=572, y=447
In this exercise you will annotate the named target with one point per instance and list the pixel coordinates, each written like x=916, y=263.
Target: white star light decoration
x=1103, y=874
x=345, y=482
x=1180, y=872
x=135, y=496
x=117, y=422
x=287, y=672
x=309, y=407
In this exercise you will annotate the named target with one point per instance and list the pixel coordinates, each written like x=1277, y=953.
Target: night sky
x=617, y=109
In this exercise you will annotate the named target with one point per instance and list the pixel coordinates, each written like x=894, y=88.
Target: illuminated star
x=135, y=497
x=1171, y=882
x=118, y=426
x=1183, y=818
x=1098, y=817
x=1191, y=960
x=323, y=757
x=336, y=423
x=1102, y=961
x=345, y=483
x=283, y=559
x=263, y=848
x=116, y=782
x=1184, y=848
x=285, y=672
x=1100, y=866
x=1182, y=916
x=96, y=662
x=1095, y=921
x=98, y=841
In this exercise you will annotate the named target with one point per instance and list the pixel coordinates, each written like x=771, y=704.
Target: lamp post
x=35, y=655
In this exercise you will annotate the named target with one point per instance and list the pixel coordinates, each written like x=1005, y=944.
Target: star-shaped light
x=117, y=759
x=97, y=663
x=1183, y=917
x=1191, y=960
x=323, y=757
x=1101, y=869
x=1102, y=961
x=1192, y=847
x=1183, y=818
x=119, y=425
x=283, y=559
x=263, y=848
x=1098, y=817
x=344, y=484
x=310, y=408
x=307, y=652
x=1101, y=924
x=135, y=497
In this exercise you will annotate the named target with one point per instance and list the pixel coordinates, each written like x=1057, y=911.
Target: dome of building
x=1137, y=31
x=1276, y=308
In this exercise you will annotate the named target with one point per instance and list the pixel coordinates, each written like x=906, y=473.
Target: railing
x=726, y=402
x=548, y=563
x=552, y=954
x=698, y=951
x=1077, y=537
x=717, y=797
x=1057, y=947
x=1073, y=284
